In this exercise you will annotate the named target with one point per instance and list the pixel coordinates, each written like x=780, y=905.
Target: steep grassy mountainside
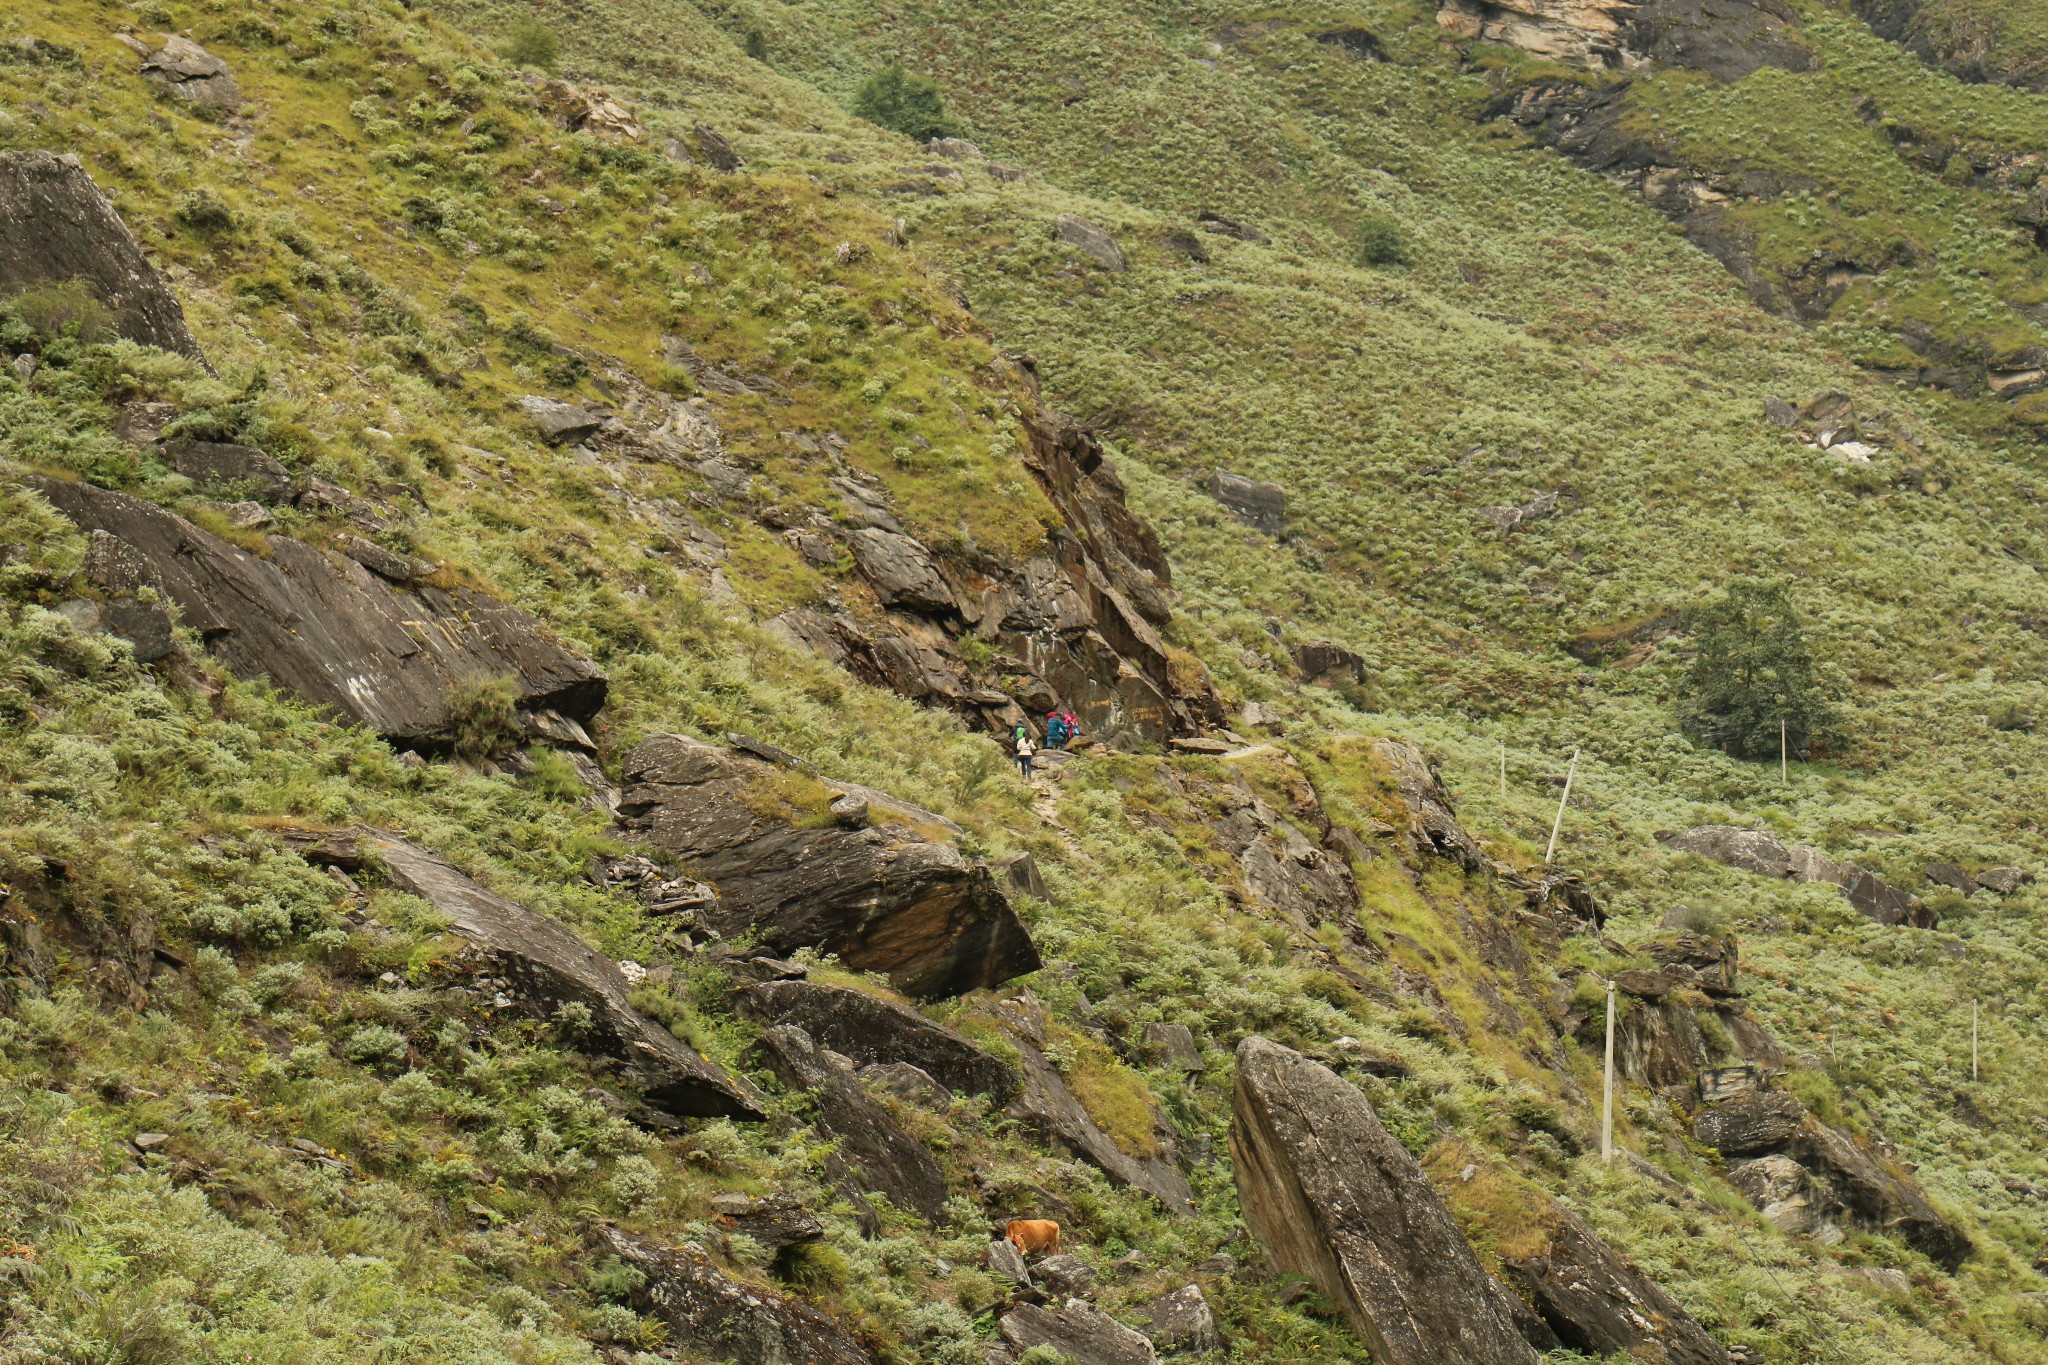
x=1978, y=42
x=670, y=361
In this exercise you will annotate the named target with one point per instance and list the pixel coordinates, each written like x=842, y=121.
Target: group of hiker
x=1061, y=729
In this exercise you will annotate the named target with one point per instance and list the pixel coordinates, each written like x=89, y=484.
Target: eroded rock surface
x=1600, y=1304
x=877, y=1032
x=1079, y=1331
x=193, y=74
x=326, y=628
x=1433, y=826
x=56, y=226
x=552, y=966
x=1332, y=1196
x=1725, y=38
x=896, y=897
x=1051, y=1112
x=716, y=1317
x=1261, y=506
x=1754, y=851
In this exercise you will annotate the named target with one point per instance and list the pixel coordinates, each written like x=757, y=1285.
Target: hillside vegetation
x=1421, y=319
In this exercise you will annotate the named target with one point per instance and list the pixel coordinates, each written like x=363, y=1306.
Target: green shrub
x=757, y=45
x=532, y=43
x=67, y=308
x=1382, y=240
x=904, y=103
x=204, y=211
x=1752, y=675
x=484, y=716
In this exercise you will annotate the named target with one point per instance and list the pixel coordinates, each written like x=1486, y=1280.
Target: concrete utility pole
x=1973, y=1042
x=1607, y=1095
x=1503, y=770
x=1784, y=777
x=1558, y=824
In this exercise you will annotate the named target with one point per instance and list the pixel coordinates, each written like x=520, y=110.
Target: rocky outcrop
x=322, y=626
x=877, y=1032
x=1728, y=39
x=1432, y=821
x=1969, y=43
x=1291, y=857
x=897, y=897
x=1261, y=506
x=1332, y=1196
x=574, y=109
x=1181, y=1322
x=56, y=227
x=1599, y=1304
x=1074, y=627
x=193, y=74
x=712, y=1316
x=884, y=1159
x=1754, y=851
x=1326, y=665
x=1079, y=1331
x=1091, y=239
x=549, y=966
x=1050, y=1111
x=1838, y=1178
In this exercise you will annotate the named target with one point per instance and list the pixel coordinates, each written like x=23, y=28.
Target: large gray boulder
x=324, y=627
x=1333, y=1197
x=1754, y=851
x=1079, y=1331
x=1433, y=827
x=1261, y=506
x=1181, y=1321
x=715, y=1317
x=550, y=966
x=901, y=571
x=193, y=74
x=897, y=897
x=56, y=227
x=873, y=1031
x=884, y=1158
x=1599, y=1304
x=1091, y=239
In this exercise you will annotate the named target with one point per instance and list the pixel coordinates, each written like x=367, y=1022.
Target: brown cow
x=1032, y=1234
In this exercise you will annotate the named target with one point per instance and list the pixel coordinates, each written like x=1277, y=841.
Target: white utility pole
x=1503, y=770
x=1973, y=1042
x=1784, y=777
x=1607, y=1096
x=1558, y=824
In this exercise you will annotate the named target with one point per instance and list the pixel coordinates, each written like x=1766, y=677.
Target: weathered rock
x=1951, y=876
x=140, y=422
x=1759, y=1122
x=1174, y=1046
x=1542, y=507
x=884, y=1158
x=1005, y=1260
x=1755, y=851
x=1726, y=40
x=716, y=150
x=897, y=898
x=1065, y=1276
x=901, y=571
x=1747, y=849
x=1231, y=227
x=777, y=1222
x=134, y=608
x=398, y=568
x=715, y=1317
x=911, y=1084
x=1091, y=240
x=850, y=811
x=1261, y=506
x=190, y=72
x=1646, y=985
x=958, y=148
x=1433, y=826
x=873, y=1031
x=1020, y=872
x=1780, y=413
x=1181, y=1322
x=1079, y=1331
x=1780, y=1188
x=1719, y=1084
x=1333, y=1197
x=1875, y=1193
x=1200, y=744
x=561, y=423
x=325, y=628
x=56, y=227
x=577, y=110
x=1048, y=1109
x=1659, y=1044
x=1710, y=961
x=2004, y=880
x=219, y=466
x=1599, y=1304
x=551, y=966
x=1328, y=665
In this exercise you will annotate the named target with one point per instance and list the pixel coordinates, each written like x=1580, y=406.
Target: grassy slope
x=1254, y=356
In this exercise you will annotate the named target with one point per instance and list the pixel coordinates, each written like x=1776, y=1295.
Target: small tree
x=1752, y=674
x=1381, y=240
x=908, y=104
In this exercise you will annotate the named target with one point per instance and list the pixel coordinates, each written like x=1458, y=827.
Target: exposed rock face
x=1092, y=240
x=1181, y=1322
x=231, y=466
x=1079, y=1331
x=561, y=423
x=123, y=574
x=577, y=110
x=1292, y=860
x=1049, y=1110
x=716, y=1317
x=1969, y=48
x=1332, y=1196
x=1727, y=40
x=193, y=74
x=550, y=965
x=324, y=627
x=1754, y=851
x=1599, y=1304
x=56, y=226
x=876, y=1032
x=1328, y=665
x=884, y=1158
x=1073, y=628
x=895, y=897
x=1433, y=826
x=1843, y=1178
x=1261, y=506
x=777, y=1222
